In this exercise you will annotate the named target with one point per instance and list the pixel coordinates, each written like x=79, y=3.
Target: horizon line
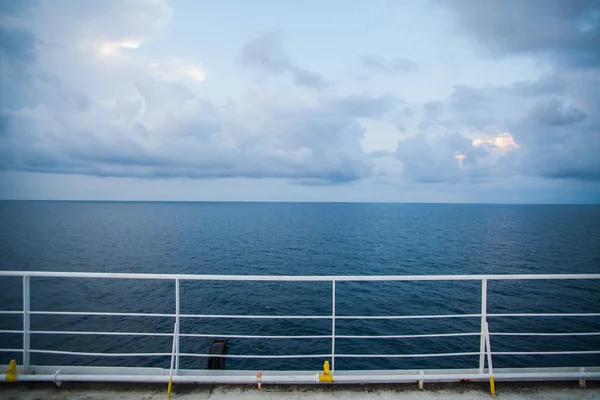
x=290, y=202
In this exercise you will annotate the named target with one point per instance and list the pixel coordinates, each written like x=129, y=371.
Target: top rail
x=296, y=278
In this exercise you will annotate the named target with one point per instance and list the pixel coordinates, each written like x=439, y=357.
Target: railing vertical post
x=26, y=324
x=489, y=360
x=332, y=326
x=176, y=326
x=483, y=322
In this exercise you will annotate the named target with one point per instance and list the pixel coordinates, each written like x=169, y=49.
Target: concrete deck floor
x=470, y=391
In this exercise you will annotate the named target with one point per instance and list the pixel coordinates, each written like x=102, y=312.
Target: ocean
x=302, y=239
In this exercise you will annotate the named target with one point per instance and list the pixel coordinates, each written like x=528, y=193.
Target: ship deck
x=474, y=391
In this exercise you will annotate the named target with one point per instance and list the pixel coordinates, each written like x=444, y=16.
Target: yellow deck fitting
x=326, y=376
x=492, y=387
x=169, y=388
x=11, y=372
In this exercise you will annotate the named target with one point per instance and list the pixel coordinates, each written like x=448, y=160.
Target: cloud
x=551, y=84
x=265, y=53
x=307, y=78
x=388, y=66
x=17, y=44
x=464, y=96
x=556, y=112
x=566, y=32
x=170, y=132
x=97, y=102
x=475, y=108
x=365, y=106
x=445, y=158
x=124, y=24
x=152, y=125
x=554, y=125
x=177, y=70
x=432, y=111
x=503, y=142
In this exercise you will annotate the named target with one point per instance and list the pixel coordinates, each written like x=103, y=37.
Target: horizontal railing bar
x=106, y=314
x=100, y=333
x=405, y=355
x=405, y=336
x=163, y=315
x=312, y=377
x=312, y=278
x=256, y=356
x=547, y=315
x=544, y=334
x=121, y=314
x=255, y=316
x=11, y=350
x=11, y=331
x=11, y=312
x=532, y=353
x=206, y=335
x=406, y=316
x=79, y=353
x=210, y=335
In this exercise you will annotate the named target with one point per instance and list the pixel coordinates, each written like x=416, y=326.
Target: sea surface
x=302, y=239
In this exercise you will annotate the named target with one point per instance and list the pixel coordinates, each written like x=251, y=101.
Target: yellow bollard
x=11, y=372
x=326, y=376
x=492, y=387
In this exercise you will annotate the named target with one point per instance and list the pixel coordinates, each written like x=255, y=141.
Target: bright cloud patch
x=176, y=70
x=114, y=48
x=504, y=141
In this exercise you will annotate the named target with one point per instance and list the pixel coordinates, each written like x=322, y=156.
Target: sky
x=493, y=101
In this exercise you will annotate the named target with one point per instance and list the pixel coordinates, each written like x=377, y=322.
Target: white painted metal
x=311, y=378
x=405, y=355
x=488, y=348
x=297, y=278
x=405, y=336
x=98, y=333
x=407, y=316
x=102, y=314
x=174, y=354
x=11, y=331
x=255, y=316
x=483, y=321
x=547, y=315
x=545, y=334
x=176, y=333
x=212, y=335
x=526, y=353
x=332, y=326
x=266, y=356
x=26, y=322
x=84, y=353
x=302, y=377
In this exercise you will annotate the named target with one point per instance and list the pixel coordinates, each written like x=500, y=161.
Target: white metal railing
x=483, y=332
